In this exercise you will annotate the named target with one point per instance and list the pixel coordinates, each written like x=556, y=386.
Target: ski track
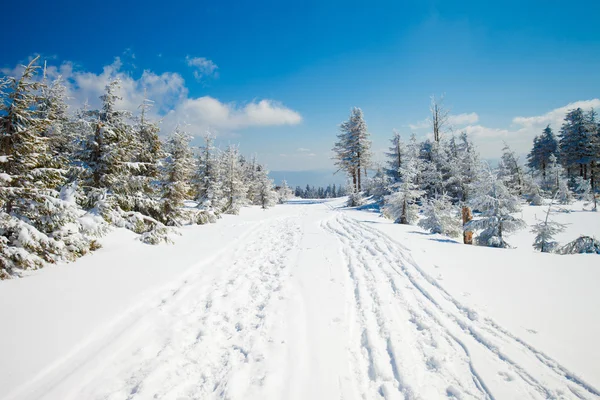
x=445, y=332
x=217, y=337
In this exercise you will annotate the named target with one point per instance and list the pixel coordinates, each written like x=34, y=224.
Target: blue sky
x=278, y=77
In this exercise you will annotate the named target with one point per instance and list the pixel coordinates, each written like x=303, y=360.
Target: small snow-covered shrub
x=582, y=245
x=441, y=217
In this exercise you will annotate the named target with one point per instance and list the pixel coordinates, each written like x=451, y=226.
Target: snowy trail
x=474, y=358
x=309, y=304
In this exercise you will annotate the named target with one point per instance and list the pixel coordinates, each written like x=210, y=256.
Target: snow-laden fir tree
x=107, y=157
x=565, y=195
x=179, y=168
x=265, y=195
x=440, y=216
x=544, y=233
x=401, y=205
x=284, y=192
x=378, y=186
x=209, y=191
x=355, y=198
x=576, y=150
x=36, y=224
x=532, y=191
x=495, y=204
x=510, y=170
x=235, y=189
x=544, y=146
x=145, y=167
x=394, y=156
x=353, y=148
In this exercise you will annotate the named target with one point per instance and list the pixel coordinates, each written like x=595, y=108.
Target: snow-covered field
x=307, y=301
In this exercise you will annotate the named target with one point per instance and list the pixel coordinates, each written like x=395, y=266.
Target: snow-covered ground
x=307, y=301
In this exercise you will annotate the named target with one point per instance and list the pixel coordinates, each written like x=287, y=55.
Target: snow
x=307, y=300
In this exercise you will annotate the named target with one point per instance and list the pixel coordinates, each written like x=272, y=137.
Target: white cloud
x=463, y=119
x=303, y=150
x=556, y=116
x=172, y=103
x=453, y=121
x=207, y=112
x=523, y=130
x=203, y=67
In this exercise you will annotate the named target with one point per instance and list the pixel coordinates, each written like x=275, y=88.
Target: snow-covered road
x=309, y=303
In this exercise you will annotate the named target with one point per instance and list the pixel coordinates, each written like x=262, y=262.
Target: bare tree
x=439, y=117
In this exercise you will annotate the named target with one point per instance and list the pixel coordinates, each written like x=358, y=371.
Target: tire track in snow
x=562, y=380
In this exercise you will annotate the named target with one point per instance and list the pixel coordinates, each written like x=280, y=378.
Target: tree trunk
x=467, y=216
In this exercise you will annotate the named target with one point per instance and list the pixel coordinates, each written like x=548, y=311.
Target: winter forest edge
x=68, y=176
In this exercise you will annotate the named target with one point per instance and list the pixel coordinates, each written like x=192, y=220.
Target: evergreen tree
x=510, y=170
x=235, y=188
x=495, y=203
x=353, y=148
x=284, y=193
x=395, y=155
x=441, y=217
x=401, y=205
x=36, y=224
x=544, y=233
x=209, y=191
x=179, y=168
x=544, y=146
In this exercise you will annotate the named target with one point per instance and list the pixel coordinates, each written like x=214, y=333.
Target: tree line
x=66, y=177
x=439, y=183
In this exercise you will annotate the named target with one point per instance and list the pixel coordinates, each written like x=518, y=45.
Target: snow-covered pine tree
x=510, y=170
x=575, y=143
x=379, y=185
x=565, y=195
x=394, y=156
x=265, y=195
x=36, y=224
x=544, y=146
x=355, y=198
x=440, y=216
x=209, y=192
x=144, y=183
x=107, y=157
x=179, y=168
x=495, y=204
x=235, y=188
x=353, y=148
x=284, y=193
x=544, y=233
x=401, y=205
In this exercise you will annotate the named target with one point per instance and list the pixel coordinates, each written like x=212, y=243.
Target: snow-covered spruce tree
x=284, y=192
x=235, y=188
x=355, y=198
x=565, y=195
x=144, y=183
x=265, y=195
x=379, y=185
x=495, y=203
x=394, y=156
x=36, y=224
x=544, y=233
x=532, y=191
x=575, y=144
x=209, y=191
x=401, y=205
x=179, y=168
x=510, y=170
x=107, y=157
x=440, y=216
x=544, y=146
x=353, y=148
